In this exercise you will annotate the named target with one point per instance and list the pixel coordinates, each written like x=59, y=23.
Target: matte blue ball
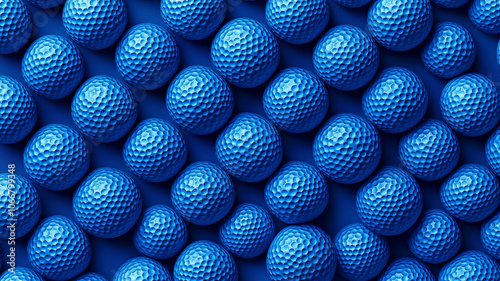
x=470, y=104
x=450, y=4
x=53, y=67
x=352, y=3
x=299, y=21
x=450, y=51
x=142, y=269
x=205, y=261
x=297, y=193
x=436, y=238
x=396, y=101
x=203, y=193
x=56, y=157
x=147, y=56
x=193, y=20
x=59, y=249
x=155, y=151
x=362, y=254
x=15, y=26
x=471, y=266
x=95, y=25
x=390, y=202
x=400, y=25
x=18, y=111
x=199, y=100
x=161, y=233
x=490, y=236
x=485, y=15
x=108, y=203
x=347, y=149
x=20, y=274
x=346, y=58
x=104, y=109
x=91, y=277
x=45, y=4
x=296, y=100
x=245, y=53
x=301, y=252
x=407, y=269
x=249, y=148
x=430, y=151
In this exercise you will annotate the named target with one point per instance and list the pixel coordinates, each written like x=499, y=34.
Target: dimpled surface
x=302, y=252
x=493, y=151
x=20, y=274
x=45, y=4
x=245, y=52
x=161, y=233
x=400, y=25
x=155, y=151
x=347, y=149
x=361, y=253
x=470, y=104
x=205, y=261
x=390, y=202
x=108, y=203
x=471, y=266
x=396, y=101
x=91, y=277
x=142, y=269
x=53, y=67
x=104, y=109
x=56, y=157
x=15, y=26
x=485, y=15
x=199, y=100
x=296, y=100
x=248, y=231
x=18, y=112
x=450, y=51
x=407, y=269
x=352, y=3
x=203, y=193
x=298, y=21
x=471, y=193
x=436, y=238
x=450, y=3
x=297, y=193
x=59, y=249
x=490, y=236
x=147, y=56
x=95, y=24
x=346, y=58
x=193, y=20
x=430, y=151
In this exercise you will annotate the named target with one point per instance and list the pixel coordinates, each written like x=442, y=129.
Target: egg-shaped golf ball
x=471, y=266
x=490, y=236
x=15, y=26
x=485, y=15
x=142, y=269
x=20, y=274
x=409, y=269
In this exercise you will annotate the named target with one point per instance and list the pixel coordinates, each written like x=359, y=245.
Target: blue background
x=108, y=255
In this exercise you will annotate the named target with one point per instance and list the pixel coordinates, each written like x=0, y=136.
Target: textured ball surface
x=91, y=277
x=490, y=236
x=471, y=266
x=302, y=252
x=352, y=3
x=15, y=26
x=20, y=274
x=485, y=15
x=142, y=269
x=493, y=151
x=199, y=100
x=450, y=3
x=409, y=269
x=45, y=4
x=296, y=100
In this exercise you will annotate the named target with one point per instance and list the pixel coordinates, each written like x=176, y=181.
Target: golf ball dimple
x=20, y=274
x=485, y=15
x=471, y=266
x=352, y=3
x=91, y=277
x=450, y=3
x=15, y=26
x=490, y=236
x=407, y=269
x=142, y=269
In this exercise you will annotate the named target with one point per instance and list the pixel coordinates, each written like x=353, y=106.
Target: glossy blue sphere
x=91, y=277
x=45, y=4
x=471, y=266
x=485, y=15
x=450, y=3
x=352, y=3
x=142, y=269
x=20, y=274
x=407, y=269
x=490, y=236
x=15, y=26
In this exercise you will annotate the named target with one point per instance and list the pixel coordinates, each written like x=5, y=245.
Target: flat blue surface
x=109, y=255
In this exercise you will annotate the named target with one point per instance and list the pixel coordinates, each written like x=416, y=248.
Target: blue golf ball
x=490, y=236
x=20, y=274
x=301, y=252
x=45, y=4
x=147, y=56
x=346, y=58
x=91, y=277
x=18, y=111
x=297, y=193
x=199, y=100
x=450, y=3
x=471, y=266
x=205, y=261
x=470, y=104
x=493, y=151
x=245, y=53
x=108, y=203
x=352, y=3
x=396, y=101
x=297, y=22
x=104, y=109
x=203, y=193
x=56, y=157
x=142, y=269
x=193, y=20
x=450, y=51
x=436, y=238
x=161, y=233
x=407, y=269
x=15, y=26
x=400, y=25
x=362, y=254
x=248, y=231
x=485, y=15
x=249, y=148
x=347, y=149
x=296, y=100
x=95, y=25
x=430, y=151
x=155, y=151
x=59, y=249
